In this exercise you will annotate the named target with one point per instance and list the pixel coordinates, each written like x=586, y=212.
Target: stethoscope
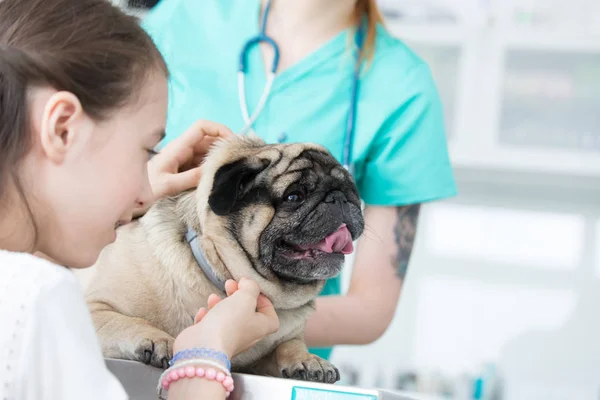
x=250, y=119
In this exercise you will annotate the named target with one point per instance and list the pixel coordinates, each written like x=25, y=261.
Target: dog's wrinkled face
x=293, y=209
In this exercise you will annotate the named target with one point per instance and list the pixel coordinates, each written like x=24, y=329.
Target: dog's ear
x=230, y=181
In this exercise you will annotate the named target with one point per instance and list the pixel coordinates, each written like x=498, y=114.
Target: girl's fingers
x=231, y=287
x=183, y=181
x=200, y=314
x=249, y=286
x=265, y=307
x=213, y=300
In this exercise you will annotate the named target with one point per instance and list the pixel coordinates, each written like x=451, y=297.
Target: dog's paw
x=156, y=351
x=309, y=367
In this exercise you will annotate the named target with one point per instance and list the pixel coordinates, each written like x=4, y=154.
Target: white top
x=48, y=346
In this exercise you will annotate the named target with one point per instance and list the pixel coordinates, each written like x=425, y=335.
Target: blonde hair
x=369, y=10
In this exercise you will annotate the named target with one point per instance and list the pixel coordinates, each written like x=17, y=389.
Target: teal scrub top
x=400, y=153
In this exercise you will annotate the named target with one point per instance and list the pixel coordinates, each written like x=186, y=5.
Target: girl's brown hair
x=368, y=10
x=87, y=47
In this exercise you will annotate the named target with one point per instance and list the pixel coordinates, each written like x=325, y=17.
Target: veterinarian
x=384, y=123
x=83, y=102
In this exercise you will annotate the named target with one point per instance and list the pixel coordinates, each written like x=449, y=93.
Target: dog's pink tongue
x=339, y=241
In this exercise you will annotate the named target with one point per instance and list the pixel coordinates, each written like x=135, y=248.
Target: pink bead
x=220, y=377
x=230, y=388
x=211, y=373
x=228, y=381
x=190, y=372
x=199, y=372
x=181, y=372
x=165, y=382
x=174, y=376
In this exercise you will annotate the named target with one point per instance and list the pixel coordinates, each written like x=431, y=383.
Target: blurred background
x=502, y=297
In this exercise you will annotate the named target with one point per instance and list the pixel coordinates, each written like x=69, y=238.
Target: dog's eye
x=294, y=197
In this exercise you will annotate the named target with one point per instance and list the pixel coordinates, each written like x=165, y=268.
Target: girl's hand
x=233, y=324
x=177, y=167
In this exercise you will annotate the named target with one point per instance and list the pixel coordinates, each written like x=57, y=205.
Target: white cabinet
x=520, y=80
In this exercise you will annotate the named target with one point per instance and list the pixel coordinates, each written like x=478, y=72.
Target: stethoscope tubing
x=250, y=119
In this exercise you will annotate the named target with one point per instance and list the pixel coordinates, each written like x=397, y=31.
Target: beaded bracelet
x=201, y=353
x=193, y=368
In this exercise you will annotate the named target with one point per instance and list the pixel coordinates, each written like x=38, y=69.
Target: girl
x=83, y=99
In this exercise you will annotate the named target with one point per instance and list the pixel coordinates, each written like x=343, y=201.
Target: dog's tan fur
x=147, y=286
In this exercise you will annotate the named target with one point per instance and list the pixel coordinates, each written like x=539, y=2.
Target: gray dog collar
x=191, y=236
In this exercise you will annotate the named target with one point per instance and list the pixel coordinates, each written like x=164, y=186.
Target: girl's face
x=84, y=178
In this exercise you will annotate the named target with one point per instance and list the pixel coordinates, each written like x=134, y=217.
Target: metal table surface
x=140, y=383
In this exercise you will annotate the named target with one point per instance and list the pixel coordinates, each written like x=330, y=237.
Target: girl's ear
x=61, y=125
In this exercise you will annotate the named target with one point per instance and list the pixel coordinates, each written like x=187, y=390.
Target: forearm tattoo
x=405, y=229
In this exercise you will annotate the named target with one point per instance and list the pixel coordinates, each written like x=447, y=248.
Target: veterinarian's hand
x=176, y=168
x=233, y=324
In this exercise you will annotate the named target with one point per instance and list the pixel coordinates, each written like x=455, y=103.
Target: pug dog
x=282, y=215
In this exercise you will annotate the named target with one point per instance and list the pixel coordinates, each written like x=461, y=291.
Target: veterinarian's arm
x=365, y=312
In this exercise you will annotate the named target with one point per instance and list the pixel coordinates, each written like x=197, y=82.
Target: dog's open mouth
x=338, y=242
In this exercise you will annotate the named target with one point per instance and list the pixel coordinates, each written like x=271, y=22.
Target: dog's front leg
x=291, y=359
x=130, y=338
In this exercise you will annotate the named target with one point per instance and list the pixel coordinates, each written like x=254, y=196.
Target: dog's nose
x=336, y=197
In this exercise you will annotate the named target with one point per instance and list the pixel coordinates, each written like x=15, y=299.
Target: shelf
x=516, y=159
x=525, y=38
x=437, y=35
x=546, y=39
